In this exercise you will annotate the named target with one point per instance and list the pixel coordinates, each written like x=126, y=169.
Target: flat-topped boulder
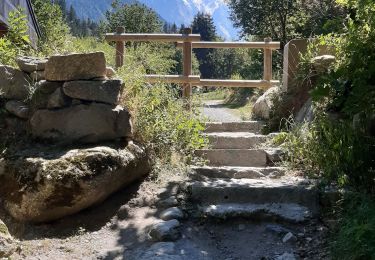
x=82, y=123
x=14, y=84
x=107, y=91
x=43, y=183
x=76, y=67
x=31, y=64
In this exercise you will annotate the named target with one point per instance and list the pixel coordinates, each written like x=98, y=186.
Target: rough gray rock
x=171, y=213
x=18, y=109
x=274, y=155
x=91, y=123
x=306, y=113
x=7, y=244
x=165, y=231
x=58, y=100
x=43, y=183
x=322, y=63
x=76, y=67
x=262, y=107
x=43, y=90
x=14, y=84
x=289, y=238
x=101, y=91
x=31, y=64
x=168, y=202
x=37, y=75
x=286, y=256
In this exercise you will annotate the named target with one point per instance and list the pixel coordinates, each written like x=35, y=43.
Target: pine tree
x=203, y=24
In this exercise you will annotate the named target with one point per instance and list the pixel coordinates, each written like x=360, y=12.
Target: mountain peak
x=172, y=11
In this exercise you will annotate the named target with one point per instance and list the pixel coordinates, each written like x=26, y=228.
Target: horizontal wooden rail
x=116, y=37
x=178, y=79
x=223, y=45
x=237, y=83
x=197, y=81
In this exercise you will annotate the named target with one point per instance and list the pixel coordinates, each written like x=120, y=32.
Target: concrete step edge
x=288, y=212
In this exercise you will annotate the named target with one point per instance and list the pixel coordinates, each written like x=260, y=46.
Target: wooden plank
x=267, y=74
x=187, y=64
x=263, y=84
x=152, y=37
x=120, y=49
x=231, y=45
x=178, y=79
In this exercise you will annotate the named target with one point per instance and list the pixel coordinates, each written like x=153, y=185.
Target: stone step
x=288, y=212
x=234, y=157
x=257, y=191
x=235, y=140
x=242, y=126
x=237, y=172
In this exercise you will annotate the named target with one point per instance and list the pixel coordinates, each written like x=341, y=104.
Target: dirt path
x=214, y=110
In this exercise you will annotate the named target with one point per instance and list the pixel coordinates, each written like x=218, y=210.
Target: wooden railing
x=188, y=41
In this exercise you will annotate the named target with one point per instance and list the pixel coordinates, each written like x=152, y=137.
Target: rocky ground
x=119, y=229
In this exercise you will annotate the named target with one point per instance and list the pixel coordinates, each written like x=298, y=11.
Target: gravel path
x=214, y=110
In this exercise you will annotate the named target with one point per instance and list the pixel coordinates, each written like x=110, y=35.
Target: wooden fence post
x=187, y=64
x=120, y=49
x=267, y=62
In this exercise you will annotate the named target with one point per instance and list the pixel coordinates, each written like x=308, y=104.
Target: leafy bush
x=161, y=120
x=56, y=33
x=333, y=150
x=349, y=87
x=16, y=41
x=355, y=237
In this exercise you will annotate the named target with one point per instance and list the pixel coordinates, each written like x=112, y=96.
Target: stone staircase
x=242, y=180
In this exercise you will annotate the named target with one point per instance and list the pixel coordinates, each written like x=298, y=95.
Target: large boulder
x=107, y=91
x=90, y=123
x=262, y=107
x=14, y=84
x=31, y=64
x=76, y=67
x=43, y=183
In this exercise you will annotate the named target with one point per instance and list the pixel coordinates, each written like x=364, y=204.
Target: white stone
x=165, y=231
x=262, y=107
x=171, y=213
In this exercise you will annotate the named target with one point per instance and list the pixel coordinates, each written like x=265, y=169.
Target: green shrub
x=355, y=236
x=160, y=118
x=333, y=150
x=16, y=41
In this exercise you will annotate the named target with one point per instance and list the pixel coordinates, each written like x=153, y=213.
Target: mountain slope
x=172, y=11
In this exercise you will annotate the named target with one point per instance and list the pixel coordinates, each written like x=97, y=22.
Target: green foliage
x=349, y=87
x=17, y=32
x=203, y=24
x=160, y=118
x=53, y=27
x=334, y=151
x=7, y=52
x=136, y=18
x=355, y=237
x=16, y=41
x=286, y=19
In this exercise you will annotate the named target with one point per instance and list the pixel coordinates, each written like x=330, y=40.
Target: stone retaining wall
x=64, y=99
